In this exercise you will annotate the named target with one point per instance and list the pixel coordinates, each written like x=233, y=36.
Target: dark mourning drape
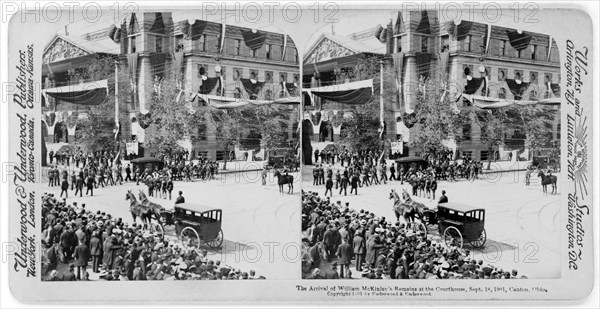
x=389, y=39
x=133, y=25
x=473, y=84
x=254, y=40
x=424, y=26
x=518, y=41
x=157, y=61
x=516, y=88
x=252, y=88
x=209, y=84
x=399, y=27
x=463, y=29
x=158, y=26
x=84, y=97
x=291, y=88
x=353, y=96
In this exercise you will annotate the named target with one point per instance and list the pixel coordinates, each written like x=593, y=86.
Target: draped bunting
x=114, y=33
x=84, y=97
x=184, y=26
x=518, y=41
x=424, y=26
x=473, y=85
x=423, y=63
x=132, y=61
x=178, y=59
x=460, y=31
x=350, y=93
x=292, y=88
x=409, y=120
x=158, y=25
x=517, y=89
x=254, y=40
x=389, y=40
x=493, y=103
x=227, y=102
x=133, y=25
x=252, y=88
x=399, y=27
x=398, y=59
x=378, y=31
x=157, y=61
x=196, y=29
x=209, y=84
x=443, y=57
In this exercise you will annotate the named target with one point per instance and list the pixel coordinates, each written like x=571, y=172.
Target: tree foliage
x=436, y=121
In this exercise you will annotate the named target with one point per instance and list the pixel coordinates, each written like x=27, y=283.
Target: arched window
x=533, y=95
x=238, y=93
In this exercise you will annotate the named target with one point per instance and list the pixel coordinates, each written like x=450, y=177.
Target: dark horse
x=145, y=212
x=285, y=179
x=548, y=180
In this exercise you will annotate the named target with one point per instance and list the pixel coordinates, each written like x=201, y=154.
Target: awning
x=92, y=93
x=493, y=103
x=349, y=93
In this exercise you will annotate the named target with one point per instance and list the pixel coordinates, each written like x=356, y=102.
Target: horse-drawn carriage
x=456, y=223
x=459, y=223
x=195, y=224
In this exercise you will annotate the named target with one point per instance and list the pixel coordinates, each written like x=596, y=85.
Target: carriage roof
x=459, y=207
x=195, y=207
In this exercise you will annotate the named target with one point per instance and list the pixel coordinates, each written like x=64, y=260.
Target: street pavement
x=260, y=225
x=522, y=223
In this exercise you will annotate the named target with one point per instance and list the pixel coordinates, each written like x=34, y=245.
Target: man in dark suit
x=82, y=256
x=64, y=186
x=358, y=244
x=354, y=184
x=344, y=253
x=95, y=251
x=180, y=199
x=344, y=184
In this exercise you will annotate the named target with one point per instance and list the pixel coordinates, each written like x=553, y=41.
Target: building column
x=410, y=85
x=145, y=84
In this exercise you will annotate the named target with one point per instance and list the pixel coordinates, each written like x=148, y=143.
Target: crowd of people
x=336, y=236
x=366, y=168
x=77, y=242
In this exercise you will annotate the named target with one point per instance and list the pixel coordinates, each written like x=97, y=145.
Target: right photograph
x=430, y=149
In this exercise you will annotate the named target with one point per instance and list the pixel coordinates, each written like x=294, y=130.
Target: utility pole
x=382, y=121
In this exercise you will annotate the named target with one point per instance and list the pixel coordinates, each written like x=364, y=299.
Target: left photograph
x=170, y=148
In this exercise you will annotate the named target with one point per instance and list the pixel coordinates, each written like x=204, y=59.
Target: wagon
x=459, y=223
x=195, y=224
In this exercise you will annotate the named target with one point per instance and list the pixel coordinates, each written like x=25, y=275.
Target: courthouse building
x=491, y=65
x=224, y=66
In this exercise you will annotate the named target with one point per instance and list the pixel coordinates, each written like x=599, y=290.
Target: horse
x=409, y=209
x=285, y=179
x=155, y=209
x=548, y=180
x=139, y=210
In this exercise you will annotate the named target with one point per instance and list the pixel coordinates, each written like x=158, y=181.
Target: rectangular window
x=533, y=77
x=503, y=48
x=132, y=43
x=268, y=48
x=484, y=155
x=399, y=44
x=268, y=76
x=296, y=60
x=237, y=45
x=518, y=53
x=468, y=40
x=445, y=43
x=202, y=43
x=533, y=51
x=466, y=130
x=468, y=154
x=179, y=43
x=158, y=44
x=465, y=66
x=424, y=44
x=220, y=155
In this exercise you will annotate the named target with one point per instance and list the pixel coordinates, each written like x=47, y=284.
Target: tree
x=436, y=121
x=534, y=121
x=493, y=126
x=229, y=127
x=270, y=121
x=362, y=132
x=172, y=120
x=95, y=132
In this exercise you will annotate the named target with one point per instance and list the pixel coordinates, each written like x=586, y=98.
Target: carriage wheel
x=190, y=238
x=218, y=241
x=479, y=242
x=156, y=228
x=453, y=237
